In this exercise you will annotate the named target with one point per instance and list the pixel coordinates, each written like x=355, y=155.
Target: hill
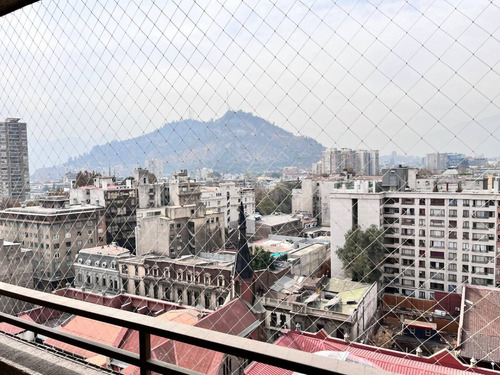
x=234, y=143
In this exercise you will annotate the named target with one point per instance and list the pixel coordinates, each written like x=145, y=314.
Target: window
x=56, y=255
x=68, y=244
x=56, y=246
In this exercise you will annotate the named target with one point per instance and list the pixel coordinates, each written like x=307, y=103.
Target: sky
x=406, y=76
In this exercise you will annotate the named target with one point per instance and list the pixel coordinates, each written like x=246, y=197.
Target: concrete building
x=55, y=231
x=173, y=221
x=96, y=269
x=435, y=241
x=360, y=162
x=226, y=199
x=260, y=227
x=313, y=198
x=203, y=280
x=440, y=161
x=155, y=166
x=339, y=307
x=119, y=202
x=304, y=256
x=16, y=268
x=14, y=165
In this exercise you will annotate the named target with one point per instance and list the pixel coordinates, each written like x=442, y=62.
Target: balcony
x=147, y=326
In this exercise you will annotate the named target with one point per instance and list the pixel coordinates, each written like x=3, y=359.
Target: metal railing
x=252, y=350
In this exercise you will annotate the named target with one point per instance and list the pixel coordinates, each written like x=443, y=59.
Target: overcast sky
x=414, y=77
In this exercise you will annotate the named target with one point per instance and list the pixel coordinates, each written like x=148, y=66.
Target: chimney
x=419, y=352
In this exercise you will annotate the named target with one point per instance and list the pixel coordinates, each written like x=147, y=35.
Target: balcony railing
x=252, y=350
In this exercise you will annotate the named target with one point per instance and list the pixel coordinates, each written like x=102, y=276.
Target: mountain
x=237, y=142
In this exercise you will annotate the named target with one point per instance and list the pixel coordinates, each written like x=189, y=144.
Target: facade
x=155, y=166
x=440, y=161
x=342, y=308
x=360, y=162
x=119, y=202
x=435, y=241
x=14, y=163
x=226, y=199
x=17, y=269
x=191, y=281
x=313, y=198
x=96, y=269
x=55, y=231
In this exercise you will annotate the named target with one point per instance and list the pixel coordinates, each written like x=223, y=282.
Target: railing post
x=144, y=351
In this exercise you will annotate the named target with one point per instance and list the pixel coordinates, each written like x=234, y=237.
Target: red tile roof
x=13, y=330
x=93, y=330
x=233, y=318
x=442, y=363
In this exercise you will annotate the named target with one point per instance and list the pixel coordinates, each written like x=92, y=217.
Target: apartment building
x=313, y=198
x=435, y=241
x=226, y=199
x=55, y=231
x=359, y=162
x=172, y=220
x=14, y=166
x=119, y=202
x=17, y=269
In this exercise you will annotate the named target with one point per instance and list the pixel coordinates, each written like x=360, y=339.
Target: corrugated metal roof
x=481, y=324
x=442, y=363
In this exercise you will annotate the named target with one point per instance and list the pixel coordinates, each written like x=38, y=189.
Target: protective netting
x=360, y=139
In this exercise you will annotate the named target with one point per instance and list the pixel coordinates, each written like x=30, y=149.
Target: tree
x=261, y=259
x=363, y=253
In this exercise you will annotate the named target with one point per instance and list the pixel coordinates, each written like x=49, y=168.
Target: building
x=260, y=227
x=55, y=231
x=435, y=241
x=339, y=307
x=96, y=269
x=203, y=280
x=173, y=221
x=14, y=163
x=17, y=269
x=304, y=256
x=155, y=166
x=359, y=162
x=119, y=202
x=441, y=161
x=226, y=199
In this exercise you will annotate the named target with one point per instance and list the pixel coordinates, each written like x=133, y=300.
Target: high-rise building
x=14, y=169
x=435, y=241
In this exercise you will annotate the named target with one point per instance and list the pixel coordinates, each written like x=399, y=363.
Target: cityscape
x=249, y=211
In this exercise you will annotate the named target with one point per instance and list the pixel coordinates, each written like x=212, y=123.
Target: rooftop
x=442, y=363
x=112, y=249
x=480, y=324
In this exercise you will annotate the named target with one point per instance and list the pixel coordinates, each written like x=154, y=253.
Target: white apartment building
x=226, y=198
x=436, y=241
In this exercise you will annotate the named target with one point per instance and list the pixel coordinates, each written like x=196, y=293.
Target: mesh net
x=317, y=175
